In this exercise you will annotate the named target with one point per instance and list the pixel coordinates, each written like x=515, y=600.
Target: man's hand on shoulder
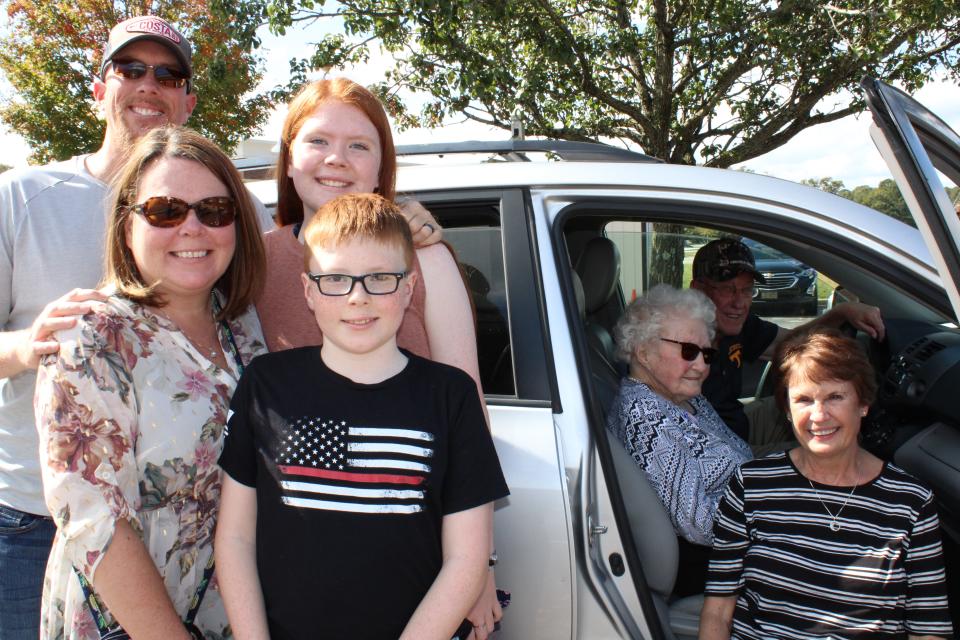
x=22, y=350
x=863, y=317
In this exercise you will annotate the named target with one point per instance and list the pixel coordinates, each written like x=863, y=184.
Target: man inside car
x=725, y=270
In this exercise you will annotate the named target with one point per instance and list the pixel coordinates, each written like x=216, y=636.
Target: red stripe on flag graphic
x=351, y=476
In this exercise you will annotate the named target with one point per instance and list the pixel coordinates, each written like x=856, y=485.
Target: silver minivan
x=584, y=545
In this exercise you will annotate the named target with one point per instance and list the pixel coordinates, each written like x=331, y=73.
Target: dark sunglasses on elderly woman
x=167, y=76
x=166, y=211
x=689, y=351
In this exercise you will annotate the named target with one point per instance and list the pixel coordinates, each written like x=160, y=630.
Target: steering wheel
x=848, y=330
x=875, y=430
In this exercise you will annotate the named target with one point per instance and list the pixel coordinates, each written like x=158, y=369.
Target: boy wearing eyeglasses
x=725, y=270
x=360, y=478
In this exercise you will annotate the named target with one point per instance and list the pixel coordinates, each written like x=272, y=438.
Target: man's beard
x=125, y=134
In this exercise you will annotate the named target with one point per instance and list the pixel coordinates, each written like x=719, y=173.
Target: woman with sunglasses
x=671, y=431
x=132, y=412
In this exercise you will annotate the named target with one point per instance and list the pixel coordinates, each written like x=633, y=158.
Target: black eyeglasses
x=728, y=291
x=167, y=211
x=689, y=351
x=167, y=76
x=341, y=284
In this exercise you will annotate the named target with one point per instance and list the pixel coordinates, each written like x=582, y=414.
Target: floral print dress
x=131, y=420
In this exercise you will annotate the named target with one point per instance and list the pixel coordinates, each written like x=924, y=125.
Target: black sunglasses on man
x=169, y=76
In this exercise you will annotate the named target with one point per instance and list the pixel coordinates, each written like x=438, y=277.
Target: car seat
x=656, y=544
x=605, y=377
x=599, y=269
x=653, y=534
x=493, y=336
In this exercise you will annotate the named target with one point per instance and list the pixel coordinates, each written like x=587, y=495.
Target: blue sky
x=839, y=149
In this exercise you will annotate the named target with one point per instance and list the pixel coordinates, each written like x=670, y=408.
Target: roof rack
x=516, y=150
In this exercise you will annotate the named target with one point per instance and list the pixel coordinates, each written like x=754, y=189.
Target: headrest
x=578, y=293
x=477, y=282
x=599, y=269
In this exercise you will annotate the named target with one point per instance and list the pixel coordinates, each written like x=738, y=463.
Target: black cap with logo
x=723, y=259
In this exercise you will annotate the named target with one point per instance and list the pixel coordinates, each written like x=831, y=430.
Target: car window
x=792, y=294
x=473, y=231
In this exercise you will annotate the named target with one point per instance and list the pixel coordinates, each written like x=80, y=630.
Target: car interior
x=610, y=252
x=915, y=422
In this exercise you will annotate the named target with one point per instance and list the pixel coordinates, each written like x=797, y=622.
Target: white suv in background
x=584, y=545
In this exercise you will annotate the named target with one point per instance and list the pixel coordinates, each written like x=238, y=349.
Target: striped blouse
x=881, y=574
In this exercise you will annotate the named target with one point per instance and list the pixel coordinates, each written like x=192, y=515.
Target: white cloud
x=843, y=149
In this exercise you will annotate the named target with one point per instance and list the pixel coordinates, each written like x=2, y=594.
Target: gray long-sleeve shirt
x=52, y=226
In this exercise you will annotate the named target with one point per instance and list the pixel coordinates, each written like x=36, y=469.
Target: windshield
x=763, y=252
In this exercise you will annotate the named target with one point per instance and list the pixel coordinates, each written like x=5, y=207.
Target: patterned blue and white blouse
x=688, y=459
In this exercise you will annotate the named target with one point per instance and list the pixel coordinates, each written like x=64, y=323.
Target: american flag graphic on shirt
x=329, y=465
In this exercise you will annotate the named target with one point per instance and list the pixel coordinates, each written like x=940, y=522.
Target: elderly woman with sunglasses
x=132, y=411
x=671, y=431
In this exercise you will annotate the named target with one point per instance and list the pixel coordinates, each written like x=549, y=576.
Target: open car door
x=915, y=143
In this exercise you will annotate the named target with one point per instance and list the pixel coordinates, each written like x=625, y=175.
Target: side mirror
x=840, y=294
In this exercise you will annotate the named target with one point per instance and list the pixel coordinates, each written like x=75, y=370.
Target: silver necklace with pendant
x=834, y=524
x=210, y=352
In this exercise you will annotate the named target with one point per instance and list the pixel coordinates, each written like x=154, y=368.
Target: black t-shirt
x=723, y=387
x=352, y=482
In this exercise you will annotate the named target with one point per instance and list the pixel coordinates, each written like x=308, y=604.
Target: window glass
x=474, y=233
x=652, y=253
x=792, y=288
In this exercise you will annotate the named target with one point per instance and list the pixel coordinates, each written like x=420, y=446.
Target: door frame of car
x=601, y=506
x=915, y=143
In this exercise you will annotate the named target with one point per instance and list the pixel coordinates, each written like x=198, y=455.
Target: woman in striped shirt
x=826, y=540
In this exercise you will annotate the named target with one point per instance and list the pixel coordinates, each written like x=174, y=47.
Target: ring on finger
x=428, y=226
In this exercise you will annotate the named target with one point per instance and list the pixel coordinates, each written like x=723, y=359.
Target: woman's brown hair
x=242, y=281
x=289, y=204
x=822, y=356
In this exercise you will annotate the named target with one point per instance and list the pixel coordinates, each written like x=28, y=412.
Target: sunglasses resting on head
x=167, y=211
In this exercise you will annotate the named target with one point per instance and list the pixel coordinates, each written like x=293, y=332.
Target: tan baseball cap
x=147, y=28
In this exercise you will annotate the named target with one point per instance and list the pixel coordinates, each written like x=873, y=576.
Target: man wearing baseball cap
x=726, y=272
x=52, y=225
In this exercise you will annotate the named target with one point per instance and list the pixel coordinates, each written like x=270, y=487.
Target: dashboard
x=917, y=418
